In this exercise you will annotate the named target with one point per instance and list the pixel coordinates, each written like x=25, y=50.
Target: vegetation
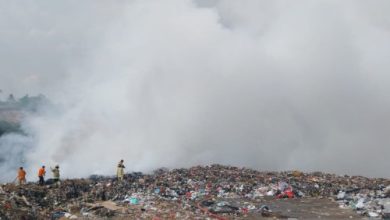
x=8, y=127
x=12, y=108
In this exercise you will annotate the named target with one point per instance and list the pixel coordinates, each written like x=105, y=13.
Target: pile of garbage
x=371, y=202
x=201, y=192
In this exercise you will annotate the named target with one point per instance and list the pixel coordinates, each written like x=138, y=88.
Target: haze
x=272, y=85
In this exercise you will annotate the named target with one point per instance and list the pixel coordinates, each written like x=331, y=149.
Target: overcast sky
x=272, y=85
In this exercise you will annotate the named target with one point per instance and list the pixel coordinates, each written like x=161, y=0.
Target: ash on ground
x=202, y=192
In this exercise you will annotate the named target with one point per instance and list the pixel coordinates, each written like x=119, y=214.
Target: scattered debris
x=201, y=192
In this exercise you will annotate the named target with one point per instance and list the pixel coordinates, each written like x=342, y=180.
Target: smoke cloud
x=272, y=85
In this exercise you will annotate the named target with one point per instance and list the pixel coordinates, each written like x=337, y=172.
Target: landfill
x=201, y=192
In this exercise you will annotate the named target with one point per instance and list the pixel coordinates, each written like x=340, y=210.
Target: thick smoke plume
x=272, y=85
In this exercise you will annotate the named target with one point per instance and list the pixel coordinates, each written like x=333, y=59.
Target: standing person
x=41, y=175
x=56, y=174
x=21, y=176
x=120, y=172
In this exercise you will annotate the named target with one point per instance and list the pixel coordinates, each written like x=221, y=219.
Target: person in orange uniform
x=41, y=175
x=21, y=176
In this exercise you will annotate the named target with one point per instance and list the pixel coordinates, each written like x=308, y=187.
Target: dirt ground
x=306, y=208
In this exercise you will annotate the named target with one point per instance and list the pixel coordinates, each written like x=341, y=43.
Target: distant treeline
x=12, y=108
x=8, y=127
x=25, y=103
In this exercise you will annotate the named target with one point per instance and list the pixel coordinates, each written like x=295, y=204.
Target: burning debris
x=216, y=192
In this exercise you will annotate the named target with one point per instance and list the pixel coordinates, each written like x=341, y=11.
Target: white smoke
x=266, y=84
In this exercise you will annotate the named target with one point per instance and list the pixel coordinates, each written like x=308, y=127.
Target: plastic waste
x=341, y=195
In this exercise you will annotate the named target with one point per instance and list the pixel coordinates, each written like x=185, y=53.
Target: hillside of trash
x=201, y=192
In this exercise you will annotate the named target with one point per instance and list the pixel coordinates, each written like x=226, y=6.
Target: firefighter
x=120, y=172
x=21, y=176
x=41, y=175
x=56, y=174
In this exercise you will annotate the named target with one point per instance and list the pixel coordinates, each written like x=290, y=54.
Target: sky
x=271, y=85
